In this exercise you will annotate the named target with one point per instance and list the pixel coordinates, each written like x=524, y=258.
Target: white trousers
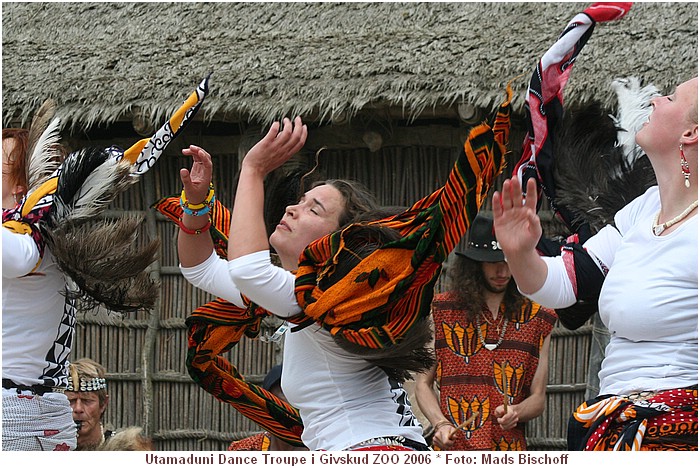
x=34, y=422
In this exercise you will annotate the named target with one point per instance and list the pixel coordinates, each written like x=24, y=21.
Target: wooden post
x=147, y=353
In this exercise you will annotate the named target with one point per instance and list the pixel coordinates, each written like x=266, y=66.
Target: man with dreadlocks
x=492, y=347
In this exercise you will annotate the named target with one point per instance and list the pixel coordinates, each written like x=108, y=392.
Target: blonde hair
x=87, y=369
x=128, y=439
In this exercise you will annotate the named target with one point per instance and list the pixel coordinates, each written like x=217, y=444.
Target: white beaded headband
x=88, y=385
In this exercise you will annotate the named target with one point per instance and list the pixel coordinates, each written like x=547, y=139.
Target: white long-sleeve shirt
x=342, y=399
x=648, y=302
x=37, y=323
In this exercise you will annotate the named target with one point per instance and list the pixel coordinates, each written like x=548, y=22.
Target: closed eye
x=316, y=205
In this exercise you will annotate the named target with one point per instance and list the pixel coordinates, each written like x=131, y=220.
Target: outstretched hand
x=196, y=181
x=515, y=219
x=277, y=146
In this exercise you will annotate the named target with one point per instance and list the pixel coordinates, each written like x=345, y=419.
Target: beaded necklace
x=659, y=228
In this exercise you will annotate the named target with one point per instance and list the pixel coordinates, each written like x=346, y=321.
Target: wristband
x=196, y=212
x=194, y=232
x=198, y=209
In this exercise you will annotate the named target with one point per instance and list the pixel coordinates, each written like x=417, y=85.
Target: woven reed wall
x=145, y=353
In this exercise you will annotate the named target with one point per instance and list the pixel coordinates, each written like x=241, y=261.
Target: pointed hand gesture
x=196, y=181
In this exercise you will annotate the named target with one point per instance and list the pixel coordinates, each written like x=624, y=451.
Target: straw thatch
x=104, y=61
x=107, y=63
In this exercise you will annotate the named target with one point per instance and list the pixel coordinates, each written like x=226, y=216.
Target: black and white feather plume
x=598, y=166
x=105, y=259
x=44, y=151
x=90, y=179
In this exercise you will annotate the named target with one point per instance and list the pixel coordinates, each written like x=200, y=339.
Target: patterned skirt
x=666, y=420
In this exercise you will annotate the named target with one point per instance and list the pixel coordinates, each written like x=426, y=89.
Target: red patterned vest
x=470, y=376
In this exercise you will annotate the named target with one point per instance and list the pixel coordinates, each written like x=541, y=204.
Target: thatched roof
x=102, y=61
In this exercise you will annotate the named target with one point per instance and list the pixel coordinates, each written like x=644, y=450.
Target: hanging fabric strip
x=215, y=328
x=544, y=102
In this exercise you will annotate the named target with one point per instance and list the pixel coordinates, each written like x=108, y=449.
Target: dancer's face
x=316, y=215
x=671, y=118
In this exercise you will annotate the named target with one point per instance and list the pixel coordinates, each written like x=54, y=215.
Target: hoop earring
x=685, y=167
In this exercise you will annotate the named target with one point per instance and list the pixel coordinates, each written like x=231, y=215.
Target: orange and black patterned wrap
x=388, y=291
x=470, y=376
x=213, y=330
x=257, y=443
x=667, y=420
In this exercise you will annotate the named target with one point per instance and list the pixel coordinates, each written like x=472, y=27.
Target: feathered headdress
x=599, y=168
x=106, y=260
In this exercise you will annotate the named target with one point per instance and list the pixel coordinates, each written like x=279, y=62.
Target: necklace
x=659, y=228
x=494, y=322
x=491, y=346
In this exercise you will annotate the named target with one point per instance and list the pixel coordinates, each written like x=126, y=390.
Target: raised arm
x=194, y=244
x=248, y=233
x=518, y=230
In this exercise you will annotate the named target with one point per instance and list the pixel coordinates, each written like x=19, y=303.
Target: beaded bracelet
x=195, y=232
x=197, y=212
x=198, y=209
